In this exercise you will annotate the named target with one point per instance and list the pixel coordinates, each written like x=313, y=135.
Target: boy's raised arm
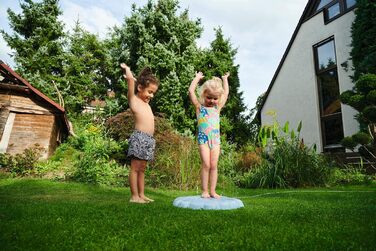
x=127, y=74
x=192, y=89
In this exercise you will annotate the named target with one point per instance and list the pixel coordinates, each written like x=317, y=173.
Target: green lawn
x=45, y=215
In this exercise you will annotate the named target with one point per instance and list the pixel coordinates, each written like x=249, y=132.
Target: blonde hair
x=214, y=85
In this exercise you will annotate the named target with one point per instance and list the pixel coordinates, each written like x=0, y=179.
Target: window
x=322, y=4
x=350, y=3
x=332, y=11
x=328, y=89
x=326, y=56
x=333, y=131
x=335, y=8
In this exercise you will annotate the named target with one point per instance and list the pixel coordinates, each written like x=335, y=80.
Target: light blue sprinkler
x=197, y=202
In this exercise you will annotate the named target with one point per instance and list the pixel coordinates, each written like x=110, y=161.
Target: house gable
x=313, y=8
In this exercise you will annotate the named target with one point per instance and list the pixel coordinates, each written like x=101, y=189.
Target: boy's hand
x=126, y=71
x=124, y=67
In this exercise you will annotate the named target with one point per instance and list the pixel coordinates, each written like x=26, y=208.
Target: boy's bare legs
x=205, y=167
x=213, y=173
x=141, y=183
x=136, y=175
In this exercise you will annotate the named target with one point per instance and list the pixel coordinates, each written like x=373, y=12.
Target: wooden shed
x=27, y=116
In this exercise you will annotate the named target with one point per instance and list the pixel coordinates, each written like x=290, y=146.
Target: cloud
x=93, y=18
x=4, y=53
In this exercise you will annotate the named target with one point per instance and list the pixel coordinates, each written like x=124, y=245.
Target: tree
x=38, y=41
x=215, y=61
x=85, y=69
x=157, y=36
x=363, y=96
x=363, y=30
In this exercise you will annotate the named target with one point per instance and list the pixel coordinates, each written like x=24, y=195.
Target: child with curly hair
x=141, y=142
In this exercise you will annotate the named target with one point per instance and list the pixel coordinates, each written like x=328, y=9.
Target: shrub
x=95, y=163
x=287, y=162
x=22, y=163
x=351, y=175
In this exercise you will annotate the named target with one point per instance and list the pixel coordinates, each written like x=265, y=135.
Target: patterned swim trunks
x=141, y=146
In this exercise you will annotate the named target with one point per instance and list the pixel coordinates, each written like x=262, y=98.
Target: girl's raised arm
x=127, y=74
x=192, y=89
x=225, y=88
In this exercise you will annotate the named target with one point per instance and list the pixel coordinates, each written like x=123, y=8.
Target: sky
x=259, y=30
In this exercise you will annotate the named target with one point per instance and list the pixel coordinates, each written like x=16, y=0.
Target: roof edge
x=33, y=89
x=303, y=18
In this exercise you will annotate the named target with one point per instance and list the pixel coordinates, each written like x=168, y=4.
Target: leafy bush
x=287, y=162
x=95, y=163
x=22, y=163
x=351, y=176
x=61, y=164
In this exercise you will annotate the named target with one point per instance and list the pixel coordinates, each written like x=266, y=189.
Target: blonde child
x=141, y=142
x=212, y=97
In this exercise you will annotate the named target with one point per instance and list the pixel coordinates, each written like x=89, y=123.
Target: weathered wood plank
x=23, y=103
x=25, y=135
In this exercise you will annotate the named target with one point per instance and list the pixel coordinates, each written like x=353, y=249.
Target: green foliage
x=85, y=70
x=157, y=36
x=362, y=138
x=22, y=163
x=38, y=41
x=363, y=53
x=371, y=97
x=95, y=163
x=369, y=113
x=362, y=98
x=351, y=176
x=349, y=143
x=366, y=83
x=287, y=161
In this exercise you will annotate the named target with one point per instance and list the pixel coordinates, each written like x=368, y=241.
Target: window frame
x=316, y=56
x=337, y=115
x=343, y=9
x=326, y=11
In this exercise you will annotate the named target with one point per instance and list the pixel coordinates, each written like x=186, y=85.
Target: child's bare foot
x=215, y=195
x=146, y=198
x=138, y=200
x=205, y=195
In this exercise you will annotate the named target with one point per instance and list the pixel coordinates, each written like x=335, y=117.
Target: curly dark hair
x=145, y=78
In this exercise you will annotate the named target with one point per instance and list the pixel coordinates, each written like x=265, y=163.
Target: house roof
x=13, y=77
x=309, y=11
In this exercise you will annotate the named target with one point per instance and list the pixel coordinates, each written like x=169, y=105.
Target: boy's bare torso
x=143, y=115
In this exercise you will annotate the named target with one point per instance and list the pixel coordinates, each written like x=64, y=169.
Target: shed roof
x=12, y=77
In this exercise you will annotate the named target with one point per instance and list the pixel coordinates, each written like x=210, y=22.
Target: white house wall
x=294, y=95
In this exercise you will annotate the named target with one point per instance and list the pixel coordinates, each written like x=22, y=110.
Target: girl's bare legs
x=213, y=173
x=205, y=167
x=136, y=181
